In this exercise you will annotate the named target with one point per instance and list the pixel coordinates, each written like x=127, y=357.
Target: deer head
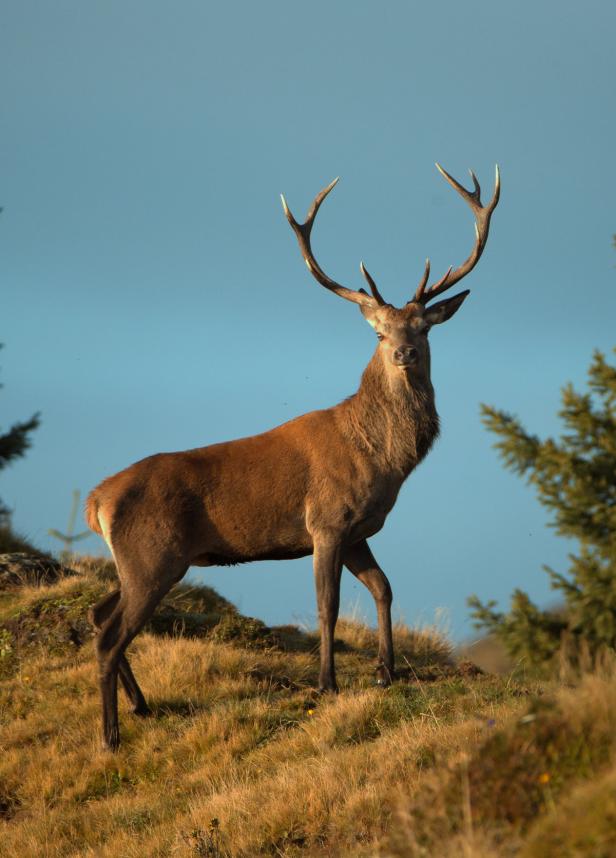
x=403, y=332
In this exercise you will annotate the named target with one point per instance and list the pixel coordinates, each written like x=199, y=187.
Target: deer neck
x=393, y=417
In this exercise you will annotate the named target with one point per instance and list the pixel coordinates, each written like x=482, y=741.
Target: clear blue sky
x=153, y=297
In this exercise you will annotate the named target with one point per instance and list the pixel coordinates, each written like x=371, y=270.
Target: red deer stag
x=320, y=484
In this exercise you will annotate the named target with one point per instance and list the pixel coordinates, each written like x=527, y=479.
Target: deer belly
x=254, y=531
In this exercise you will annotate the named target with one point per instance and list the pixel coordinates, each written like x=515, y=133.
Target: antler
x=302, y=232
x=482, y=227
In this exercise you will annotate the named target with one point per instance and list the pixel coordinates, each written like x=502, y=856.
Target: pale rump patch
x=105, y=531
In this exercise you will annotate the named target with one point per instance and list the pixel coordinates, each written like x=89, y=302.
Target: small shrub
x=245, y=631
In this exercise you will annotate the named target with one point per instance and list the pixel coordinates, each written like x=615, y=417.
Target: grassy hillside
x=241, y=758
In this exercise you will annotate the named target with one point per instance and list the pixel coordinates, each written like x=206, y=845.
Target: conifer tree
x=13, y=445
x=575, y=478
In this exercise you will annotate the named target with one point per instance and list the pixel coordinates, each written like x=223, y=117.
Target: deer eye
x=380, y=336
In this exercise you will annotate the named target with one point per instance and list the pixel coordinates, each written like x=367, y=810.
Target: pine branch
x=518, y=449
x=15, y=442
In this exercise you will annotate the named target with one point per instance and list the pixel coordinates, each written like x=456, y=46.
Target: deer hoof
x=111, y=741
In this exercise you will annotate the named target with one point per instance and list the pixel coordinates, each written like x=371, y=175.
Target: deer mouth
x=407, y=363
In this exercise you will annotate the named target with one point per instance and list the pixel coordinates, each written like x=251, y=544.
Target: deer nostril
x=405, y=354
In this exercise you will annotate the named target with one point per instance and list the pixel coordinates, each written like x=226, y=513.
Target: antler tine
x=302, y=232
x=421, y=288
x=373, y=287
x=476, y=184
x=422, y=285
x=439, y=283
x=482, y=227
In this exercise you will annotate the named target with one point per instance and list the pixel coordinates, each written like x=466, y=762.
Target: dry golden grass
x=241, y=758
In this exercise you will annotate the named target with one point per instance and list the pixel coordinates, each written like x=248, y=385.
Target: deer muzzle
x=405, y=356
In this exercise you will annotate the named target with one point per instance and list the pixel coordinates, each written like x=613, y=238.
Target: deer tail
x=92, y=513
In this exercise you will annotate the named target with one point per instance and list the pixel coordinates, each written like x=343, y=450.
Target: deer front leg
x=360, y=561
x=327, y=572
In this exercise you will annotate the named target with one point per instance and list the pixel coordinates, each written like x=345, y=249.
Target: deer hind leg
x=359, y=560
x=327, y=572
x=139, y=596
x=98, y=615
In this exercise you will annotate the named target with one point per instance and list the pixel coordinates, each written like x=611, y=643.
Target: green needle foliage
x=13, y=445
x=575, y=478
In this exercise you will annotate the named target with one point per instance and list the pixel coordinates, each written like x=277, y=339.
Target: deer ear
x=368, y=313
x=443, y=310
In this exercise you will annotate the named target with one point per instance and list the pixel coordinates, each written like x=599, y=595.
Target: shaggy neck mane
x=394, y=419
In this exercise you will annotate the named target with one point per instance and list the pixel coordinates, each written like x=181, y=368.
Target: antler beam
x=482, y=227
x=302, y=232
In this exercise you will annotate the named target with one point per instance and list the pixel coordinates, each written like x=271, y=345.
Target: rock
x=21, y=570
